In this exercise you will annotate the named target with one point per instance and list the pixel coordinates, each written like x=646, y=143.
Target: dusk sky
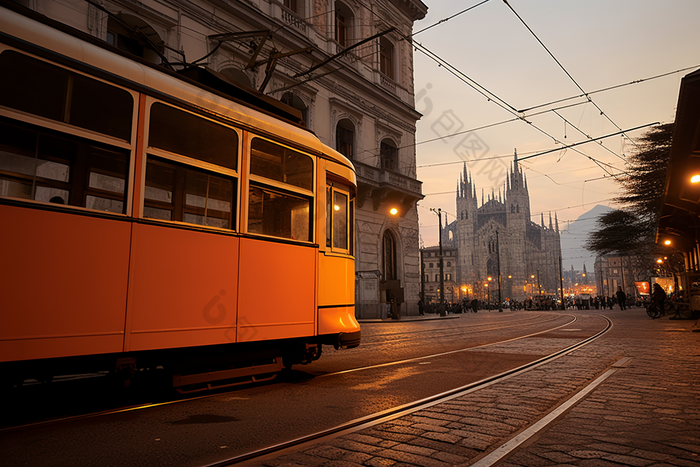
x=599, y=44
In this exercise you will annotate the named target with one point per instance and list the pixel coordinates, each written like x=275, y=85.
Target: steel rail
x=473, y=328
x=449, y=352
x=402, y=410
x=149, y=405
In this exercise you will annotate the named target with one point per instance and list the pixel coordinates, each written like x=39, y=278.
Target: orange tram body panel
x=150, y=221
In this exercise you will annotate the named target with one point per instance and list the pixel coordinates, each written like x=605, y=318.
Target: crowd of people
x=619, y=300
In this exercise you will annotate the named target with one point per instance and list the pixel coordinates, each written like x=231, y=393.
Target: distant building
x=613, y=271
x=499, y=236
x=431, y=274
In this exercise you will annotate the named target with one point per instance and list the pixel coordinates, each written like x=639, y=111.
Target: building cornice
x=414, y=9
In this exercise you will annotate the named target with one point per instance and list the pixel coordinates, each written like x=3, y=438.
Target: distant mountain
x=574, y=237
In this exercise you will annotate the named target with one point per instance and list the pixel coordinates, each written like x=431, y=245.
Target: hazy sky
x=600, y=43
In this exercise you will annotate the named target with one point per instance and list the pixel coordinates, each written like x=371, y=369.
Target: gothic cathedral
x=499, y=237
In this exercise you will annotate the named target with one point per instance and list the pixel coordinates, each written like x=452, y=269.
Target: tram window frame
x=180, y=193
x=186, y=161
x=344, y=243
x=178, y=131
x=269, y=181
x=73, y=171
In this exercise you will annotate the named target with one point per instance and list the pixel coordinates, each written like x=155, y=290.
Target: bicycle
x=654, y=310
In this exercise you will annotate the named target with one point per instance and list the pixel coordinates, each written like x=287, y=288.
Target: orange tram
x=150, y=221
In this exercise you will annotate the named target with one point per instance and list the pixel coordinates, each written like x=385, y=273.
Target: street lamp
x=489, y=279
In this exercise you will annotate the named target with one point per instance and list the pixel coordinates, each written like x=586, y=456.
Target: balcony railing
x=382, y=185
x=293, y=20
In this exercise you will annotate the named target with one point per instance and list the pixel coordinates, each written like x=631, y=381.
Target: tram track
x=159, y=403
x=406, y=409
x=458, y=330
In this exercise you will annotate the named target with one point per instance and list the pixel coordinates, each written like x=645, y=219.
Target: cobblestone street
x=646, y=413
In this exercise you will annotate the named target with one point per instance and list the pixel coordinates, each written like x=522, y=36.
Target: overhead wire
x=563, y=68
x=444, y=20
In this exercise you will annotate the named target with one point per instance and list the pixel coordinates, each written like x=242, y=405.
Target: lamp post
x=489, y=289
x=441, y=306
x=498, y=267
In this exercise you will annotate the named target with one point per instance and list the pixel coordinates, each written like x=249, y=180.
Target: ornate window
x=389, y=256
x=386, y=57
x=295, y=101
x=345, y=137
x=389, y=154
x=343, y=24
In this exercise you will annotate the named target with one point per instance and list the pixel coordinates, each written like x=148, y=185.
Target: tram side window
x=278, y=214
x=51, y=167
x=184, y=133
x=178, y=192
x=281, y=164
x=281, y=191
x=49, y=91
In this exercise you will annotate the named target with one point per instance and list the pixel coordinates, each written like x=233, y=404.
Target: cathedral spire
x=556, y=221
x=550, y=220
x=542, y=219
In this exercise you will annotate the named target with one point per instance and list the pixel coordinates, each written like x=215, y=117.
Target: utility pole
x=561, y=284
x=498, y=267
x=422, y=276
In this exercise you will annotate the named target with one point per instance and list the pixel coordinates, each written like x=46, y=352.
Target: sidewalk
x=646, y=413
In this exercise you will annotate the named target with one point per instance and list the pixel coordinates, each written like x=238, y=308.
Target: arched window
x=237, y=76
x=297, y=6
x=389, y=256
x=133, y=35
x=386, y=57
x=389, y=155
x=343, y=24
x=295, y=101
x=345, y=138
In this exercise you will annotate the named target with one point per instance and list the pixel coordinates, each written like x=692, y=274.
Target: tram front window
x=339, y=217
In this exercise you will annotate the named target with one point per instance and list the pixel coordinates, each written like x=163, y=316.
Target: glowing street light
x=695, y=179
x=393, y=211
x=667, y=242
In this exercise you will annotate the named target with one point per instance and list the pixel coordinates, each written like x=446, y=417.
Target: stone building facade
x=361, y=102
x=431, y=274
x=498, y=236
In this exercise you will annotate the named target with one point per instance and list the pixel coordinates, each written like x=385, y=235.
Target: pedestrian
x=421, y=306
x=658, y=296
x=621, y=297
